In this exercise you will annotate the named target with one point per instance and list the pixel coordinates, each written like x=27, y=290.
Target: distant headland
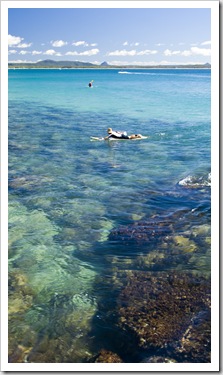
x=51, y=64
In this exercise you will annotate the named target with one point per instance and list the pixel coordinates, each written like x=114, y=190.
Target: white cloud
x=14, y=40
x=95, y=62
x=24, y=52
x=201, y=51
x=197, y=51
x=90, y=52
x=165, y=62
x=159, y=44
x=141, y=63
x=130, y=44
x=24, y=45
x=50, y=52
x=168, y=52
x=207, y=42
x=36, y=52
x=58, y=43
x=19, y=61
x=117, y=62
x=193, y=51
x=152, y=63
x=132, y=52
x=186, y=53
x=135, y=44
x=83, y=44
x=147, y=52
x=12, y=51
x=80, y=43
x=122, y=53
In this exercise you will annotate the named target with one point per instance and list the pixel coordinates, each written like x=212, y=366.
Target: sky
x=116, y=35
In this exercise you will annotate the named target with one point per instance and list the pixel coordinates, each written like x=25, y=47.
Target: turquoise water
x=68, y=194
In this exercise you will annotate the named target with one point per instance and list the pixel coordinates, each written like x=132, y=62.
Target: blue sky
x=118, y=36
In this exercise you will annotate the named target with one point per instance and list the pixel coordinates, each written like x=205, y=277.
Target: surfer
x=90, y=84
x=121, y=135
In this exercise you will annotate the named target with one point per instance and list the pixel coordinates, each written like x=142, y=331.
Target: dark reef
x=161, y=317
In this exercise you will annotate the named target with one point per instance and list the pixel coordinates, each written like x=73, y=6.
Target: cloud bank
x=58, y=43
x=14, y=40
x=133, y=52
x=18, y=46
x=90, y=52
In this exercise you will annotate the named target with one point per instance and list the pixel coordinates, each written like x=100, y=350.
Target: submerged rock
x=106, y=356
x=196, y=181
x=158, y=310
x=158, y=359
x=18, y=354
x=158, y=229
x=164, y=242
x=142, y=232
x=196, y=340
x=28, y=182
x=184, y=244
x=20, y=293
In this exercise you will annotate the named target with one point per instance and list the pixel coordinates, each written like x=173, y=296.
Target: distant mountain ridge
x=80, y=64
x=51, y=63
x=104, y=63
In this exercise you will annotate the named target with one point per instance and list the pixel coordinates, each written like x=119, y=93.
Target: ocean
x=109, y=242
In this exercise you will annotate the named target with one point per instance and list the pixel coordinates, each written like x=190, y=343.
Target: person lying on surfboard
x=123, y=135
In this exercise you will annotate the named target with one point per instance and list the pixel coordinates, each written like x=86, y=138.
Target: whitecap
x=138, y=73
x=195, y=181
x=124, y=72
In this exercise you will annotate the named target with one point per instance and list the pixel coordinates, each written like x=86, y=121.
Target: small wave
x=151, y=73
x=196, y=182
x=138, y=73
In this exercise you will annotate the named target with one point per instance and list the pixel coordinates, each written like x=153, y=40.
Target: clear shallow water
x=67, y=194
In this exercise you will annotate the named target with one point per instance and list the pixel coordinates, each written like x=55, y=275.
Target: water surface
x=67, y=195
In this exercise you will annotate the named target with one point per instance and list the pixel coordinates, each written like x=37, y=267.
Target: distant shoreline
x=65, y=65
x=108, y=68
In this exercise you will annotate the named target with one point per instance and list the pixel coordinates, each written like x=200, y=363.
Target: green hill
x=51, y=64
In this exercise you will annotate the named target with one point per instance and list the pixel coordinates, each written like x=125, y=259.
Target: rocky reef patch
x=161, y=317
x=158, y=308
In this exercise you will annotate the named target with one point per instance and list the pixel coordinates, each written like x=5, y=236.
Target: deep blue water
x=68, y=193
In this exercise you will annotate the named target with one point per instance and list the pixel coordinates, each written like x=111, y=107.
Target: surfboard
x=97, y=139
x=117, y=139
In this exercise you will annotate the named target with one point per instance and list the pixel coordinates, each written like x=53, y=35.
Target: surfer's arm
x=108, y=136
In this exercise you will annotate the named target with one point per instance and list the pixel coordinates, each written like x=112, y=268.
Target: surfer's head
x=109, y=131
